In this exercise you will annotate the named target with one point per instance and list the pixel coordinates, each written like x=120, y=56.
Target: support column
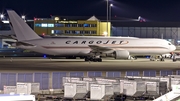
x=103, y=73
x=123, y=73
x=85, y=74
x=158, y=73
x=141, y=73
x=50, y=80
x=174, y=72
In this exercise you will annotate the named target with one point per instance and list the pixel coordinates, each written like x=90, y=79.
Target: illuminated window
x=37, y=25
x=50, y=25
x=86, y=25
x=57, y=32
x=52, y=31
x=77, y=32
x=44, y=25
x=59, y=25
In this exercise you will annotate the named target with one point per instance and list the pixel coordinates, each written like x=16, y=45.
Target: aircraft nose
x=173, y=47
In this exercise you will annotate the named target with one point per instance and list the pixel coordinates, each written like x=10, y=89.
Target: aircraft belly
x=148, y=52
x=70, y=51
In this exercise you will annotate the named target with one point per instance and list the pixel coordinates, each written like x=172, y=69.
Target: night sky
x=152, y=10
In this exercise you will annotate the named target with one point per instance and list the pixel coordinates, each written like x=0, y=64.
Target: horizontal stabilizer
x=9, y=42
x=19, y=43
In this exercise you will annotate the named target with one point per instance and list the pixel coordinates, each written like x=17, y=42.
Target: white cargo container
x=156, y=88
x=133, y=77
x=101, y=91
x=168, y=80
x=71, y=79
x=132, y=87
x=35, y=87
x=9, y=89
x=116, y=88
x=175, y=81
x=75, y=90
x=17, y=97
x=89, y=79
x=104, y=80
x=27, y=88
x=88, y=83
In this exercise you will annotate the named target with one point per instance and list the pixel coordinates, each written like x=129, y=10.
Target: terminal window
x=80, y=25
x=93, y=32
x=132, y=73
x=50, y=25
x=93, y=25
x=86, y=25
x=166, y=72
x=59, y=25
x=74, y=25
x=37, y=25
x=67, y=25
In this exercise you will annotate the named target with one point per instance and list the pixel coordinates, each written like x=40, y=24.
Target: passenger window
x=169, y=43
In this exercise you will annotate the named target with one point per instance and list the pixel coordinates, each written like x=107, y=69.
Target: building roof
x=93, y=18
x=145, y=24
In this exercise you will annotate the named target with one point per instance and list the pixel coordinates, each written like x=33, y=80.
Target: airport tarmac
x=108, y=64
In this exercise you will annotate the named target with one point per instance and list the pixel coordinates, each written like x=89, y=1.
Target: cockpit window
x=169, y=43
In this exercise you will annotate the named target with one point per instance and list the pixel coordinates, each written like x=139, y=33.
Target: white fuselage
x=80, y=46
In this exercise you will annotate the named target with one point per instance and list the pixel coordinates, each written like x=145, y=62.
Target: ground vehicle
x=176, y=57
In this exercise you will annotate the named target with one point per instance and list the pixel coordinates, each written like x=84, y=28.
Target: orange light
x=43, y=34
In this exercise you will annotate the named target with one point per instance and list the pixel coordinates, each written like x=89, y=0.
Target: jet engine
x=121, y=54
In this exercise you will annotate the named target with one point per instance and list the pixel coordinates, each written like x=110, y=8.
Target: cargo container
x=132, y=87
x=100, y=80
x=27, y=88
x=89, y=79
x=175, y=81
x=75, y=90
x=101, y=91
x=156, y=88
x=9, y=89
x=71, y=79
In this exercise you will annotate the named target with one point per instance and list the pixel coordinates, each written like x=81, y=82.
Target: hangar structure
x=165, y=30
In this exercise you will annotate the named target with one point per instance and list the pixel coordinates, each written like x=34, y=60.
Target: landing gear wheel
x=162, y=59
x=86, y=59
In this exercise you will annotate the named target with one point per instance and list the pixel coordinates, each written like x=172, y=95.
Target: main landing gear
x=157, y=58
x=93, y=58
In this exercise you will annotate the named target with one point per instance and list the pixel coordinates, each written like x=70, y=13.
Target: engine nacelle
x=121, y=54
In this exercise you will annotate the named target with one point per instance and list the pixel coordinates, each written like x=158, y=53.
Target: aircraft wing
x=96, y=48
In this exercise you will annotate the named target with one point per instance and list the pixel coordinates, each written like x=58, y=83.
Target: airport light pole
x=107, y=14
x=111, y=5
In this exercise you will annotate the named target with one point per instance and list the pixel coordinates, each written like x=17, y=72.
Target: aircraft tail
x=20, y=28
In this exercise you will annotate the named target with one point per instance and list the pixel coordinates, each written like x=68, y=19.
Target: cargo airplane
x=90, y=47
